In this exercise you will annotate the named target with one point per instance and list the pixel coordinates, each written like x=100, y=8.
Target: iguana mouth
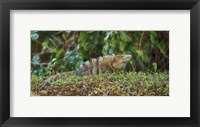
x=127, y=58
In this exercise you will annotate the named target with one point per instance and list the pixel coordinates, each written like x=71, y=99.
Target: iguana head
x=119, y=61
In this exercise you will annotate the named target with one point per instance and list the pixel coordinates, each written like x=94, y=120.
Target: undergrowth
x=112, y=84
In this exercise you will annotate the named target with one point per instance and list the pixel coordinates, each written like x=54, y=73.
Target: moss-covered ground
x=112, y=84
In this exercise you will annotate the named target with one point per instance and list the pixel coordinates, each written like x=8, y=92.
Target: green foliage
x=154, y=67
x=36, y=81
x=61, y=51
x=111, y=84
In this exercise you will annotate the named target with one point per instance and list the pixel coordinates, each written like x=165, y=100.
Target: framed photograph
x=99, y=63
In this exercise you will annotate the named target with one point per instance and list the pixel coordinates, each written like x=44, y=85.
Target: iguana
x=109, y=63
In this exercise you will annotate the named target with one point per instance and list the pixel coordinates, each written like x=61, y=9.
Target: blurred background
x=62, y=51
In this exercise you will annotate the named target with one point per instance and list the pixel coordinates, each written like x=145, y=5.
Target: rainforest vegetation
x=147, y=73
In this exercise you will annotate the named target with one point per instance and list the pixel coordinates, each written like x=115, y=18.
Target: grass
x=112, y=84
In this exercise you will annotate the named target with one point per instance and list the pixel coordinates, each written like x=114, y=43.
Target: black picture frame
x=7, y=5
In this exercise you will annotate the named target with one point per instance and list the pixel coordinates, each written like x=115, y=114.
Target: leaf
x=53, y=42
x=110, y=51
x=53, y=49
x=154, y=67
x=124, y=37
x=86, y=46
x=79, y=64
x=139, y=52
x=132, y=62
x=44, y=45
x=36, y=59
x=122, y=46
x=59, y=53
x=34, y=36
x=140, y=63
x=106, y=37
x=52, y=62
x=153, y=37
x=161, y=47
x=84, y=54
x=108, y=34
x=131, y=47
x=105, y=49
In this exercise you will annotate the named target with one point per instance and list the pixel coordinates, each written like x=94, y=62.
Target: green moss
x=112, y=84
